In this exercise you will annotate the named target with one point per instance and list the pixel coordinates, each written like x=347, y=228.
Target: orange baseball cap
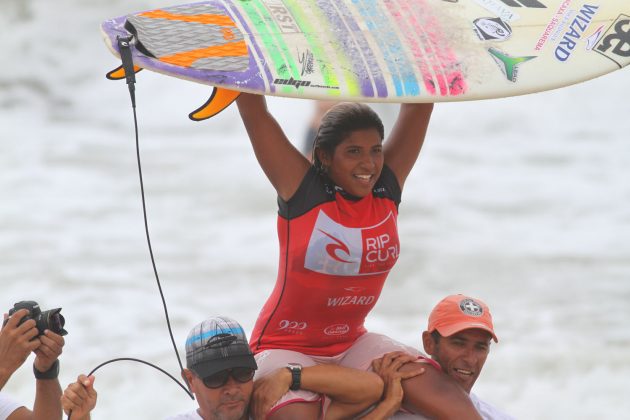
x=456, y=313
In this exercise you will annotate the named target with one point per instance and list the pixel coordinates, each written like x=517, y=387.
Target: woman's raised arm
x=405, y=141
x=283, y=164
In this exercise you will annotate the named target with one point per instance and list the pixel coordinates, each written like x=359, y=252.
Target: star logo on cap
x=470, y=307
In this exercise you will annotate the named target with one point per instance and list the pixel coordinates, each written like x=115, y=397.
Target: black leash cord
x=155, y=272
x=125, y=54
x=131, y=359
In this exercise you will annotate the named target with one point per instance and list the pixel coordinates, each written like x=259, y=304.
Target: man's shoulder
x=487, y=410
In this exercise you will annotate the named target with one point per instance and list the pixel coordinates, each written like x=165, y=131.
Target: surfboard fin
x=119, y=72
x=219, y=100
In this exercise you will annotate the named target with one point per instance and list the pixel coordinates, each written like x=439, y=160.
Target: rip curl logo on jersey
x=470, y=307
x=337, y=329
x=338, y=250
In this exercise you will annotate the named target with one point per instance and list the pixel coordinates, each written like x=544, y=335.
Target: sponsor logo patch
x=292, y=327
x=281, y=15
x=574, y=32
x=337, y=329
x=499, y=9
x=351, y=300
x=492, y=29
x=615, y=43
x=509, y=65
x=553, y=29
x=525, y=3
x=470, y=307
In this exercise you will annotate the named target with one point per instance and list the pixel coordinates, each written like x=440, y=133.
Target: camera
x=45, y=320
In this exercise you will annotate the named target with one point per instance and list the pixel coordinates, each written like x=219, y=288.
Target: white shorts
x=366, y=348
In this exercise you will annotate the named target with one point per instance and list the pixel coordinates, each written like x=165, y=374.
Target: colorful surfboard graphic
x=376, y=50
x=248, y=41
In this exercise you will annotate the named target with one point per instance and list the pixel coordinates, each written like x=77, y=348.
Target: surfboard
x=377, y=50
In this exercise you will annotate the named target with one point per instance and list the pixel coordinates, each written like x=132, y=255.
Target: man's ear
x=428, y=343
x=187, y=376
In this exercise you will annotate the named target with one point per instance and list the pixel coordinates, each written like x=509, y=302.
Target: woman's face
x=356, y=162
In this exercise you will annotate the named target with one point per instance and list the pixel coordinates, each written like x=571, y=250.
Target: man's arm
x=351, y=391
x=283, y=164
x=15, y=344
x=48, y=391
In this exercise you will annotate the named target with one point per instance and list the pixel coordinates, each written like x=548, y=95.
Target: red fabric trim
x=296, y=400
x=423, y=359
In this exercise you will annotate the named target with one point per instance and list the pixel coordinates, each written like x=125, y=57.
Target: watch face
x=294, y=366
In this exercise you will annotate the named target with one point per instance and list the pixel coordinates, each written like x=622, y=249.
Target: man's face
x=461, y=355
x=228, y=402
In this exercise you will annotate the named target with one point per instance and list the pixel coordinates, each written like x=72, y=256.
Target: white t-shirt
x=7, y=405
x=486, y=410
x=191, y=415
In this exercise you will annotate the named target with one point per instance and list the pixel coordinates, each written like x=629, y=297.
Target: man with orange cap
x=458, y=338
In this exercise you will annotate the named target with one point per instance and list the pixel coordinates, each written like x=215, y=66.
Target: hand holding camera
x=17, y=340
x=28, y=329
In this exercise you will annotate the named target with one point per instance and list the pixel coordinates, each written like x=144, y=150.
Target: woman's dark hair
x=339, y=122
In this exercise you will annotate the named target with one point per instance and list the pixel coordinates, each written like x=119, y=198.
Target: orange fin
x=119, y=73
x=219, y=100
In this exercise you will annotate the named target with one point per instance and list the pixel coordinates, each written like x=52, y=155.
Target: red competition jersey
x=335, y=254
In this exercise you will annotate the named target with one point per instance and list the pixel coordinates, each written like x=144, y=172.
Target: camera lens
x=56, y=323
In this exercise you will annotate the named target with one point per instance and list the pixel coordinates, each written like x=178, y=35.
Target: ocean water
x=522, y=202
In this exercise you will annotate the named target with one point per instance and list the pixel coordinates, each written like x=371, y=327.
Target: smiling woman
x=338, y=241
x=357, y=164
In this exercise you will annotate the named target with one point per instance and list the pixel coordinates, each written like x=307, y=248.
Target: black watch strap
x=51, y=373
x=296, y=376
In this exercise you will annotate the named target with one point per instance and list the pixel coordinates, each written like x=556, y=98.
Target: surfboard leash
x=124, y=46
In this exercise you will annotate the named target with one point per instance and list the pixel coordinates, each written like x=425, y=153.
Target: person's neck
x=245, y=415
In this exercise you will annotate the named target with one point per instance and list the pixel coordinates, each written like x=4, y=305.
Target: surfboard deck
x=381, y=50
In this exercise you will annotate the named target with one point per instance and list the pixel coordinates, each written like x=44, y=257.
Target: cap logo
x=470, y=307
x=220, y=340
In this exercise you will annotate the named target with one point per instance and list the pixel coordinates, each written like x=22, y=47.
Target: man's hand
x=79, y=398
x=16, y=342
x=387, y=367
x=48, y=351
x=268, y=390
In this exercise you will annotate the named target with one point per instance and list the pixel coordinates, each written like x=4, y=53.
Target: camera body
x=44, y=320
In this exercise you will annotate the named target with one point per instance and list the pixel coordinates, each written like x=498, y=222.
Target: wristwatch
x=51, y=373
x=296, y=375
